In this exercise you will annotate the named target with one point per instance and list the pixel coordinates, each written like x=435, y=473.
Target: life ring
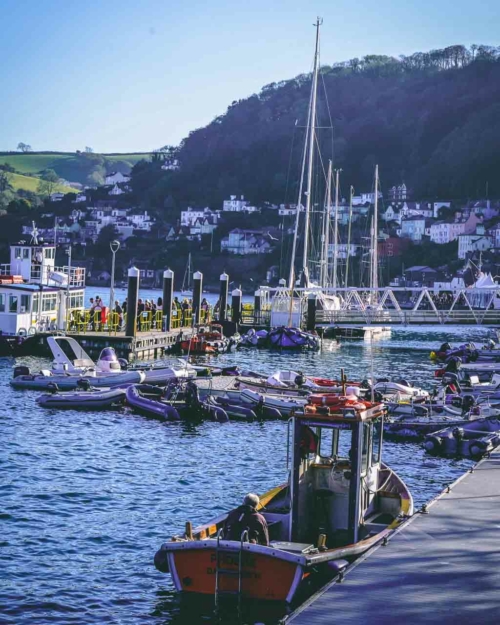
x=32, y=330
x=22, y=332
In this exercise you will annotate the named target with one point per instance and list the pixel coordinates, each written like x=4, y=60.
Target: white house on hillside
x=365, y=198
x=444, y=232
x=116, y=177
x=238, y=206
x=190, y=216
x=246, y=242
x=413, y=228
x=477, y=241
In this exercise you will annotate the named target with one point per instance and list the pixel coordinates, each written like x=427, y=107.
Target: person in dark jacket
x=246, y=517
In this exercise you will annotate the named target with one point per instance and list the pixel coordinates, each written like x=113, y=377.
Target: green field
x=28, y=183
x=66, y=164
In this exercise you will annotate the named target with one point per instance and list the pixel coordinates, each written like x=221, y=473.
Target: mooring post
x=236, y=306
x=197, y=287
x=168, y=298
x=132, y=298
x=257, y=306
x=224, y=283
x=311, y=312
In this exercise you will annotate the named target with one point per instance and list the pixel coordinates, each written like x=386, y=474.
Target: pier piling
x=257, y=306
x=224, y=283
x=197, y=289
x=168, y=292
x=132, y=298
x=311, y=312
x=236, y=305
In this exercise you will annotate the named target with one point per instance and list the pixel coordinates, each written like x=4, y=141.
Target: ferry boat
x=35, y=295
x=341, y=499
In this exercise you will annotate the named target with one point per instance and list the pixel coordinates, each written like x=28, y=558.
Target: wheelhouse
x=336, y=471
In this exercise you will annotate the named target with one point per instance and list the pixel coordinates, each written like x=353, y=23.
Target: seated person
x=246, y=517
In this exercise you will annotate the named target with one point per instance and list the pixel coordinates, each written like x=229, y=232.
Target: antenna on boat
x=34, y=234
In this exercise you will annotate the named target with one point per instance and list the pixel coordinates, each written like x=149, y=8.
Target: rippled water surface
x=87, y=498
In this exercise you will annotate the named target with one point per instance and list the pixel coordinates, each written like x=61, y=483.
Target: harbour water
x=87, y=498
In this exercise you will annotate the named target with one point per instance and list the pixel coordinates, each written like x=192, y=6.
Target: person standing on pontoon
x=246, y=517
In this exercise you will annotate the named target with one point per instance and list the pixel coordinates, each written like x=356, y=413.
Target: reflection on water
x=87, y=498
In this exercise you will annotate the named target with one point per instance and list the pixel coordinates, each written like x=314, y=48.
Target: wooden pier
x=144, y=346
x=442, y=566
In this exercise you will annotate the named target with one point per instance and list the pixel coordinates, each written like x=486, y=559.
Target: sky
x=134, y=75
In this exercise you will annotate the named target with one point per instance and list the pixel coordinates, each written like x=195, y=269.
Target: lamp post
x=114, y=246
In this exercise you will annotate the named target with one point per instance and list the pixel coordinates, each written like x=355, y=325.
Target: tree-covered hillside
x=431, y=119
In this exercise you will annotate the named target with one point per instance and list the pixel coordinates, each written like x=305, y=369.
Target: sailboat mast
x=374, y=280
x=312, y=139
x=336, y=229
x=351, y=193
x=326, y=229
x=299, y=205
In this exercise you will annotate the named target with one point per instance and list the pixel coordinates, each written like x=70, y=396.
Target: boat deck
x=441, y=567
x=219, y=383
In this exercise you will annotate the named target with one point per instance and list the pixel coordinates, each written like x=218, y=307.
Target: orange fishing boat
x=341, y=500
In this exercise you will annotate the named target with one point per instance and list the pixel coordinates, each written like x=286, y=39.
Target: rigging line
x=290, y=162
x=329, y=114
x=301, y=185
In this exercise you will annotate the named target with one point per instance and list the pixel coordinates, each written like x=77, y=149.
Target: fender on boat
x=433, y=444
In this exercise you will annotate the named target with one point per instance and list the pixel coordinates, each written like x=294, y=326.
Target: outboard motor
x=123, y=363
x=300, y=379
x=467, y=403
x=83, y=385
x=453, y=364
x=21, y=370
x=458, y=434
x=108, y=361
x=52, y=388
x=445, y=347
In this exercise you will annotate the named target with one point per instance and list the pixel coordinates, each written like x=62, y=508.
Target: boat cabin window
x=377, y=443
x=13, y=303
x=25, y=303
x=17, y=253
x=26, y=252
x=49, y=302
x=327, y=446
x=2, y=302
x=35, y=303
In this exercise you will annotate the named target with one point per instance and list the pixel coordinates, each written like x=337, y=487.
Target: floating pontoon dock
x=442, y=566
x=145, y=345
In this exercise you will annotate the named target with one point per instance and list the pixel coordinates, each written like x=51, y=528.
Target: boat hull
x=263, y=577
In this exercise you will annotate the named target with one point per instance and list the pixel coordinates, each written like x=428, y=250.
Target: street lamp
x=114, y=246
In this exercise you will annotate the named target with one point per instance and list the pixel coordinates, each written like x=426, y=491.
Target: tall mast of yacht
x=336, y=230
x=312, y=140
x=326, y=230
x=351, y=193
x=374, y=277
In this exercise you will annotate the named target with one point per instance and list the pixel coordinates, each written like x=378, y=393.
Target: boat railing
x=75, y=276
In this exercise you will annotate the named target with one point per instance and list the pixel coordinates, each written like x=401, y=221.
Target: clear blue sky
x=123, y=75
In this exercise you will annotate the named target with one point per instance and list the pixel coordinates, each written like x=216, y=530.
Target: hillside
x=30, y=183
x=431, y=120
x=74, y=167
